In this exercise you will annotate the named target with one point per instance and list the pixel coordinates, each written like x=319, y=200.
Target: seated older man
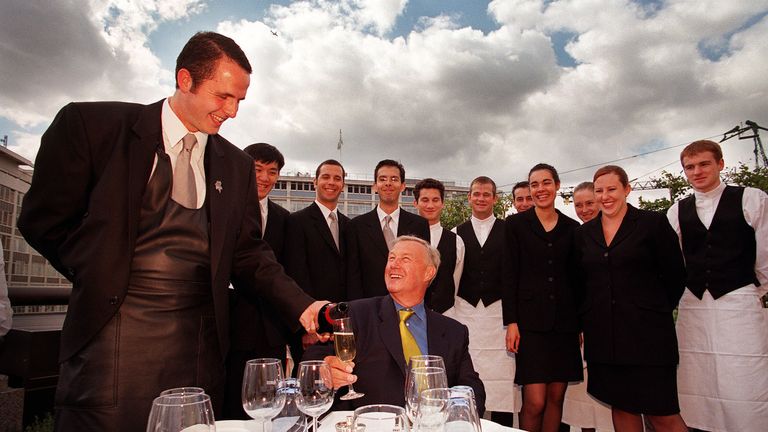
x=380, y=365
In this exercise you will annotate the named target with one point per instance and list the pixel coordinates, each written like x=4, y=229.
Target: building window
x=359, y=189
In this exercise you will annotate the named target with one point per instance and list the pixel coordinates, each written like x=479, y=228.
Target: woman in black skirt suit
x=540, y=307
x=633, y=274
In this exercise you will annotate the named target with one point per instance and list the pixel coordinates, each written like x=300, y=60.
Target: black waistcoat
x=172, y=242
x=440, y=294
x=722, y=258
x=483, y=266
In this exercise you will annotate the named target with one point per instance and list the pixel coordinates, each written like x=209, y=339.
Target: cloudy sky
x=452, y=88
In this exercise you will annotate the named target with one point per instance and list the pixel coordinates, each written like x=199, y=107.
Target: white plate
x=237, y=426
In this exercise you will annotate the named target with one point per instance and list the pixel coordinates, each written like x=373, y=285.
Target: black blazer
x=311, y=256
x=380, y=364
x=631, y=288
x=542, y=296
x=82, y=212
x=367, y=251
x=255, y=325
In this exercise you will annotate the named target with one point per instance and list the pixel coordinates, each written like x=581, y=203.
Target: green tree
x=456, y=210
x=742, y=175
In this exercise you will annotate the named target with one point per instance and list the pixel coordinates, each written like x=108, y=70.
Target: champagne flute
x=344, y=342
x=177, y=412
x=418, y=380
x=380, y=418
x=315, y=389
x=261, y=381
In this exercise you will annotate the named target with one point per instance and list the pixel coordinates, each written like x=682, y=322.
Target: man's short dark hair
x=330, y=162
x=483, y=180
x=520, y=185
x=701, y=146
x=203, y=50
x=392, y=163
x=265, y=153
x=429, y=183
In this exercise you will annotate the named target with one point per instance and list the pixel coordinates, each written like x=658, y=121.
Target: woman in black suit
x=633, y=275
x=540, y=308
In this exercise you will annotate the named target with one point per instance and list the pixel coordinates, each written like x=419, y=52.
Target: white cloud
x=447, y=100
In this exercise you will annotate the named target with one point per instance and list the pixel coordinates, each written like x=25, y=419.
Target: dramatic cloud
x=447, y=100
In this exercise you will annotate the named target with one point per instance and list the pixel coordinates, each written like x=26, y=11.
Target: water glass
x=260, y=396
x=420, y=379
x=177, y=412
x=380, y=418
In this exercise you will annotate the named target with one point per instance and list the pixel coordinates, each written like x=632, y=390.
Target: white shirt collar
x=395, y=214
x=713, y=194
x=326, y=211
x=487, y=220
x=174, y=130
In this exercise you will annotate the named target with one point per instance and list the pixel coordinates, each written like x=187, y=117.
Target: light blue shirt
x=417, y=324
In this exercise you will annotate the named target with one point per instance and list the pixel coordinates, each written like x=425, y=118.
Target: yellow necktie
x=410, y=347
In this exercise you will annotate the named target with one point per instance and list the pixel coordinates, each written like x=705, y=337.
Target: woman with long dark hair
x=540, y=307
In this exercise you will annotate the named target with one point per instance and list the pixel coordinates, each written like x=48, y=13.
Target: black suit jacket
x=82, y=211
x=380, y=364
x=367, y=251
x=632, y=286
x=311, y=256
x=256, y=325
x=542, y=295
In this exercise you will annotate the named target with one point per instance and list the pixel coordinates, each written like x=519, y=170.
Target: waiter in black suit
x=429, y=195
x=380, y=365
x=256, y=330
x=315, y=249
x=371, y=234
x=150, y=213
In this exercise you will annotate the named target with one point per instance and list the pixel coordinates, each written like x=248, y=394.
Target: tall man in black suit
x=255, y=329
x=370, y=234
x=150, y=213
x=315, y=249
x=380, y=365
x=478, y=303
x=428, y=195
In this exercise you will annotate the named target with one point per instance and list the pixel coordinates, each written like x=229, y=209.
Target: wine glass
x=426, y=360
x=344, y=342
x=432, y=410
x=260, y=396
x=379, y=418
x=182, y=391
x=315, y=389
x=420, y=379
x=177, y=412
x=462, y=413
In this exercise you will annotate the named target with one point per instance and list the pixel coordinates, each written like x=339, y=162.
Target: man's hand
x=308, y=340
x=341, y=372
x=308, y=318
x=513, y=338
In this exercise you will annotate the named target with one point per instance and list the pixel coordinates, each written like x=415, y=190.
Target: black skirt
x=637, y=389
x=545, y=357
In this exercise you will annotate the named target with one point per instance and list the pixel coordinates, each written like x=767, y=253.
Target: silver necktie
x=389, y=236
x=184, y=189
x=334, y=225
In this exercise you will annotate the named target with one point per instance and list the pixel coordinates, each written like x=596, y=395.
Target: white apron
x=487, y=347
x=723, y=375
x=582, y=410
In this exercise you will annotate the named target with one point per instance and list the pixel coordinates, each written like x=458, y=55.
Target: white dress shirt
x=393, y=224
x=173, y=131
x=263, y=203
x=482, y=227
x=327, y=212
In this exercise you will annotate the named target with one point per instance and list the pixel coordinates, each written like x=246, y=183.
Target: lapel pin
x=218, y=187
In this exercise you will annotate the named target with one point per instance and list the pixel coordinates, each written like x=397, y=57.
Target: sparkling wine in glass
x=315, y=389
x=261, y=381
x=344, y=342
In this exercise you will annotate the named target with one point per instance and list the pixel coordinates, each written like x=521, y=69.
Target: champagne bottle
x=330, y=313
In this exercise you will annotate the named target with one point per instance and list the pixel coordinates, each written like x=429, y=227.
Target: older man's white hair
x=432, y=253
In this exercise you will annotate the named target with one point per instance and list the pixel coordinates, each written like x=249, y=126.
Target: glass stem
x=314, y=424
